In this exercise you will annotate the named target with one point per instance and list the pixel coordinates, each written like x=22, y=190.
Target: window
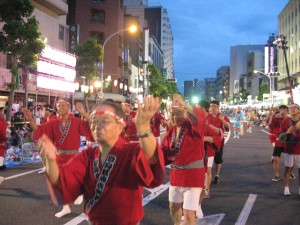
x=98, y=16
x=98, y=35
x=61, y=32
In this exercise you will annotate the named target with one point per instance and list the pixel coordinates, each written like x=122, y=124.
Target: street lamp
x=269, y=75
x=132, y=29
x=281, y=42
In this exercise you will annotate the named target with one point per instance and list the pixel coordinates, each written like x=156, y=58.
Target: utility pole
x=281, y=42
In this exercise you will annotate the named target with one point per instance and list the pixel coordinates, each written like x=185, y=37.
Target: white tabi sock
x=66, y=210
x=78, y=200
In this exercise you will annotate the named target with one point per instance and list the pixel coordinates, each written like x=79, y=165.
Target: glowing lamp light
x=125, y=87
x=121, y=85
x=115, y=83
x=98, y=84
x=133, y=28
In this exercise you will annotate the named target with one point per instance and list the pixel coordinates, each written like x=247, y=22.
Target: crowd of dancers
x=125, y=154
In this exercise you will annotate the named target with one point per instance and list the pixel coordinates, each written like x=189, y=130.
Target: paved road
x=245, y=194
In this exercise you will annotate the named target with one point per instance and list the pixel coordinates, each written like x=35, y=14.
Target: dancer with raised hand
x=184, y=150
x=111, y=176
x=64, y=132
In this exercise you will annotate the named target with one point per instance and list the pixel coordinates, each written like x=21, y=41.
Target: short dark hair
x=216, y=102
x=283, y=107
x=204, y=104
x=48, y=107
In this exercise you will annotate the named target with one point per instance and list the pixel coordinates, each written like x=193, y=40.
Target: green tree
x=20, y=38
x=88, y=54
x=262, y=90
x=244, y=94
x=159, y=86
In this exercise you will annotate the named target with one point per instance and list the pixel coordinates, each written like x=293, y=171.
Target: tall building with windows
x=160, y=28
x=222, y=82
x=101, y=18
x=289, y=26
x=238, y=65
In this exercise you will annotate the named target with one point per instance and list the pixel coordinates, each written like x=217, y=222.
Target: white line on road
x=22, y=174
x=246, y=210
x=265, y=131
x=155, y=192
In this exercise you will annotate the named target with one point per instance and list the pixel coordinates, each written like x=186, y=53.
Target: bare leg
x=276, y=166
x=189, y=217
x=176, y=212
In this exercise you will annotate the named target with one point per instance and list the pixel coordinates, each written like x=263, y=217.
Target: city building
x=55, y=72
x=238, y=65
x=101, y=19
x=210, y=91
x=222, y=83
x=288, y=25
x=160, y=28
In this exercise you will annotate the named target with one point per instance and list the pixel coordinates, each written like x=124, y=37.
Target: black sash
x=103, y=178
x=177, y=145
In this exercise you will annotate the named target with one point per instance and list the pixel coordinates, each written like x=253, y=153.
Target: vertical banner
x=73, y=37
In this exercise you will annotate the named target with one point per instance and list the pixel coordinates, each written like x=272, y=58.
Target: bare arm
x=28, y=116
x=48, y=156
x=142, y=121
x=80, y=109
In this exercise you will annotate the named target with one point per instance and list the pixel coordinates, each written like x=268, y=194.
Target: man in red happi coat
x=111, y=176
x=64, y=132
x=183, y=146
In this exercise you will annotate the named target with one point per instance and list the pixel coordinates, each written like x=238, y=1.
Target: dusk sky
x=204, y=31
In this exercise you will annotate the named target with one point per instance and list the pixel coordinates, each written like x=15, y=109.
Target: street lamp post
x=269, y=75
x=281, y=42
x=132, y=28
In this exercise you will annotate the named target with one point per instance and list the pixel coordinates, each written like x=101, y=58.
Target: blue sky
x=204, y=31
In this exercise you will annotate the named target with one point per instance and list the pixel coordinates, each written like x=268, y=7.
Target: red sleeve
x=71, y=176
x=151, y=175
x=2, y=129
x=46, y=128
x=85, y=130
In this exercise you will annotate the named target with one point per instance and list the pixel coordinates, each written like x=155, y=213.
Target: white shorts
x=290, y=159
x=210, y=161
x=189, y=196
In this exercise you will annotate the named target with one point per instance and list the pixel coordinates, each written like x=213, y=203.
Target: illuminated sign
x=56, y=70
x=54, y=84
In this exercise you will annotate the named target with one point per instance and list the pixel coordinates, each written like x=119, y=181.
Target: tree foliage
x=262, y=90
x=244, y=94
x=88, y=53
x=159, y=86
x=20, y=38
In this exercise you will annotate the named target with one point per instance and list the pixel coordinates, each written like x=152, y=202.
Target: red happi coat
x=274, y=126
x=156, y=121
x=117, y=200
x=65, y=138
x=3, y=128
x=292, y=143
x=191, y=150
x=211, y=148
x=223, y=127
x=130, y=129
x=49, y=118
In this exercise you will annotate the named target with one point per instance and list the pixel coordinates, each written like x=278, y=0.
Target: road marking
x=265, y=131
x=77, y=220
x=246, y=210
x=211, y=220
x=21, y=174
x=155, y=192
